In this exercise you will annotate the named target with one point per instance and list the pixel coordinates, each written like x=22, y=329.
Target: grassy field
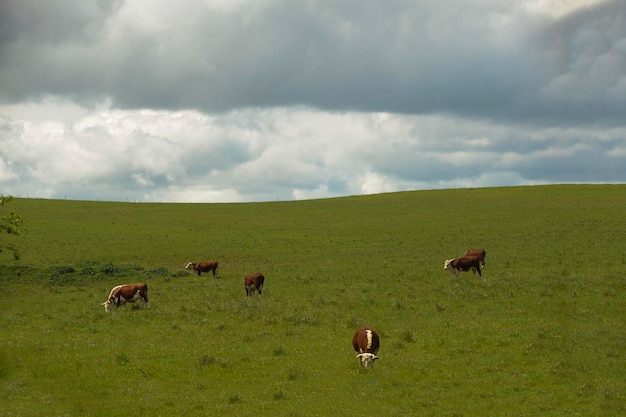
x=542, y=333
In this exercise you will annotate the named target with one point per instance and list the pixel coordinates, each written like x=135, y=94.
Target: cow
x=456, y=265
x=254, y=282
x=366, y=343
x=478, y=253
x=128, y=293
x=200, y=267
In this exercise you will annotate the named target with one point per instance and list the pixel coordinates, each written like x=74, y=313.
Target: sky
x=268, y=100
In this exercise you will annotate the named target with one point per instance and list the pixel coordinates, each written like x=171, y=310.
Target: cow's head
x=112, y=301
x=447, y=264
x=367, y=359
x=189, y=265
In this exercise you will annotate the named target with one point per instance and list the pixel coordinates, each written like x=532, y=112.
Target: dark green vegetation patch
x=541, y=333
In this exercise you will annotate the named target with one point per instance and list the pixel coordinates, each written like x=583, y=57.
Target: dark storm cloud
x=44, y=44
x=53, y=23
x=582, y=59
x=486, y=59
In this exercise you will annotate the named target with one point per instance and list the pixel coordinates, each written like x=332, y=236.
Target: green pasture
x=542, y=333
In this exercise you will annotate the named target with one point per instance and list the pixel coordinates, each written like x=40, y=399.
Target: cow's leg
x=199, y=272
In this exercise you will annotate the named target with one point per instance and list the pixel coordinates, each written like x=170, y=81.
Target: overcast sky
x=264, y=100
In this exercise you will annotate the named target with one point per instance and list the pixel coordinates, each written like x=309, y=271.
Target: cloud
x=485, y=58
x=583, y=61
x=224, y=100
x=282, y=154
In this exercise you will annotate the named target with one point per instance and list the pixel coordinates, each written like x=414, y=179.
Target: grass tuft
x=280, y=395
x=235, y=399
x=122, y=359
x=280, y=351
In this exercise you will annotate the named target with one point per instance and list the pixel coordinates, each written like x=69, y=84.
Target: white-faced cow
x=200, y=267
x=456, y=265
x=128, y=293
x=254, y=282
x=477, y=253
x=366, y=343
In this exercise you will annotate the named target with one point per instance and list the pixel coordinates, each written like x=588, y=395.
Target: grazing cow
x=129, y=293
x=456, y=265
x=477, y=253
x=254, y=282
x=200, y=267
x=366, y=343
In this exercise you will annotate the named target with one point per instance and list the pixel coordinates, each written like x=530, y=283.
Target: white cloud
x=375, y=183
x=618, y=152
x=321, y=191
x=6, y=172
x=284, y=154
x=556, y=8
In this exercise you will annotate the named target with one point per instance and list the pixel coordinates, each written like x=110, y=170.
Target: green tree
x=10, y=223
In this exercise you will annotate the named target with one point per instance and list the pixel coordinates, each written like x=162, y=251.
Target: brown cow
x=200, y=267
x=462, y=264
x=366, y=343
x=254, y=282
x=128, y=293
x=477, y=253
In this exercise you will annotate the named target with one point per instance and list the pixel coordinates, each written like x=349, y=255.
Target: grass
x=542, y=333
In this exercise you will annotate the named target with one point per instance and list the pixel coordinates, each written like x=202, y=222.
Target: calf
x=477, y=253
x=456, y=265
x=254, y=282
x=200, y=267
x=366, y=343
x=129, y=293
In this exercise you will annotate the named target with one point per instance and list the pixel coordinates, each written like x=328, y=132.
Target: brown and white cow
x=200, y=267
x=477, y=253
x=254, y=282
x=366, y=343
x=128, y=293
x=466, y=263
